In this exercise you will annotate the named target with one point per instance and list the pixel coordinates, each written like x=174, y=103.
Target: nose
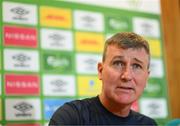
x=126, y=74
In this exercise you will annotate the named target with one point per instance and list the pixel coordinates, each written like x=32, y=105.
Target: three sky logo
x=21, y=60
x=22, y=109
x=19, y=13
x=51, y=105
x=88, y=85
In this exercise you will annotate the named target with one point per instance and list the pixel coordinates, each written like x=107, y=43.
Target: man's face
x=124, y=74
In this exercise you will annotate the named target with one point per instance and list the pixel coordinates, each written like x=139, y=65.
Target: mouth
x=125, y=89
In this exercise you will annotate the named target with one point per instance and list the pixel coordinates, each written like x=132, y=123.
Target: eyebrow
x=138, y=60
x=122, y=57
x=117, y=57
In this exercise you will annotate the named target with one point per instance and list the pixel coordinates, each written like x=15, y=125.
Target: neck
x=114, y=107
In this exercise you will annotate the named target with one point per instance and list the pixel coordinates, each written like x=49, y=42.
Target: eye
x=118, y=63
x=137, y=66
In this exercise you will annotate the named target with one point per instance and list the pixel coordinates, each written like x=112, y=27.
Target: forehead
x=130, y=53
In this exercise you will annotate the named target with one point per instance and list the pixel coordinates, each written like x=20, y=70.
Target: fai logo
x=19, y=13
x=21, y=60
x=57, y=39
x=23, y=108
x=91, y=84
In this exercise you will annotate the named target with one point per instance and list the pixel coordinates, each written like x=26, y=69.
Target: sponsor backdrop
x=49, y=51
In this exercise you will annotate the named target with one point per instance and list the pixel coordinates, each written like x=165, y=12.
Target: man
x=124, y=72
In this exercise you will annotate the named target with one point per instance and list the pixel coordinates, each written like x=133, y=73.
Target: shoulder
x=143, y=119
x=83, y=102
x=72, y=112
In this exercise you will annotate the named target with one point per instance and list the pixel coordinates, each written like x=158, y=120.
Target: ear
x=148, y=73
x=147, y=77
x=100, y=69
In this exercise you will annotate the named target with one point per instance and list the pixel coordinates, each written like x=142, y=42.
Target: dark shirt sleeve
x=66, y=115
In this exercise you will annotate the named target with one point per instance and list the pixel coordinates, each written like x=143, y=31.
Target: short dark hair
x=127, y=40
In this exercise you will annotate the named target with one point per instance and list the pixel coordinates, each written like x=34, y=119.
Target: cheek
x=110, y=77
x=141, y=82
x=109, y=74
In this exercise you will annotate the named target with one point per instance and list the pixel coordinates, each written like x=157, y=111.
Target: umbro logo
x=23, y=108
x=21, y=60
x=154, y=108
x=19, y=13
x=91, y=61
x=59, y=85
x=56, y=39
x=88, y=19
